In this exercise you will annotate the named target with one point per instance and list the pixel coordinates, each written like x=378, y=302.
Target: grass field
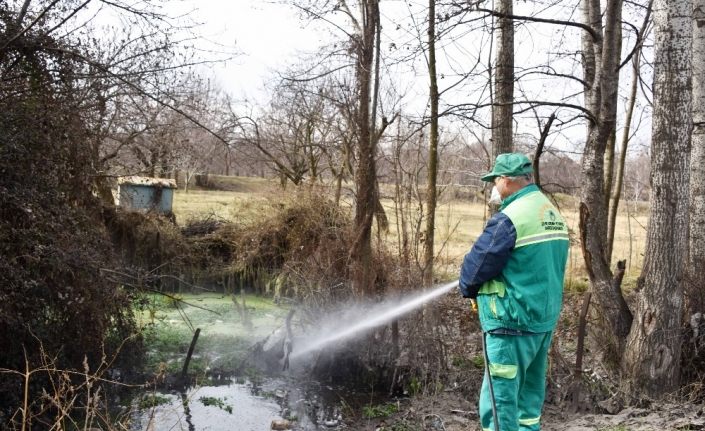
x=458, y=222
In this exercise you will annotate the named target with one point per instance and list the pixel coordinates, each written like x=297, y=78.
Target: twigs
x=70, y=391
x=578, y=370
x=181, y=301
x=140, y=286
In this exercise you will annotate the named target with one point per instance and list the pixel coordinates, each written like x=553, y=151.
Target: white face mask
x=495, y=197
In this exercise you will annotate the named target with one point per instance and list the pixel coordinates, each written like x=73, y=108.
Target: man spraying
x=515, y=272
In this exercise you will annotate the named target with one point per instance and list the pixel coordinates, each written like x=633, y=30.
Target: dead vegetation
x=53, y=249
x=300, y=251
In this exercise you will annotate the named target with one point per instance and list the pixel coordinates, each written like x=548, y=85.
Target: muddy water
x=249, y=400
x=190, y=410
x=245, y=406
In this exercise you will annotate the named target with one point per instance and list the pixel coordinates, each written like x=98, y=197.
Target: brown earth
x=455, y=407
x=451, y=412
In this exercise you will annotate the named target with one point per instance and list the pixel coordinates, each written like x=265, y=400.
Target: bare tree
x=617, y=183
x=431, y=192
x=405, y=156
x=601, y=76
x=367, y=199
x=653, y=351
x=294, y=131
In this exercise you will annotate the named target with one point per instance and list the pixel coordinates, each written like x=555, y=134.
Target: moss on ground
x=224, y=340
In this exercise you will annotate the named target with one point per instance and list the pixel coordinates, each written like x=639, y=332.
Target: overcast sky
x=270, y=34
x=265, y=34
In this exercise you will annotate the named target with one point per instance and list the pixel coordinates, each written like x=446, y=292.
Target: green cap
x=509, y=165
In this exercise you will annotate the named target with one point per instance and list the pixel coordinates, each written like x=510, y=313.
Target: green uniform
x=516, y=270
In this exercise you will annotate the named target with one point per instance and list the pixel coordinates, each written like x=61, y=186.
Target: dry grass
x=629, y=240
x=239, y=201
x=458, y=223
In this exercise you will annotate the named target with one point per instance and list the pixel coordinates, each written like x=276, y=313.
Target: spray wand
x=495, y=419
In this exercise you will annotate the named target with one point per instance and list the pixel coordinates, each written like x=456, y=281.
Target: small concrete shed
x=146, y=194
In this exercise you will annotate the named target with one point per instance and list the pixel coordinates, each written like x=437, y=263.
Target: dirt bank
x=451, y=412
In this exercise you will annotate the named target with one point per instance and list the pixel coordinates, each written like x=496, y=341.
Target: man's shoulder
x=500, y=221
x=498, y=218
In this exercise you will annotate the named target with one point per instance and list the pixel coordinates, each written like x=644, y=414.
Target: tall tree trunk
x=695, y=298
x=612, y=139
x=432, y=149
x=363, y=273
x=338, y=187
x=652, y=359
x=601, y=99
x=619, y=177
x=503, y=107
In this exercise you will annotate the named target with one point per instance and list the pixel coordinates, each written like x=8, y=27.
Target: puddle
x=245, y=407
x=246, y=403
x=236, y=408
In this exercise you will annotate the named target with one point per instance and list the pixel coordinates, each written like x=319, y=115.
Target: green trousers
x=517, y=364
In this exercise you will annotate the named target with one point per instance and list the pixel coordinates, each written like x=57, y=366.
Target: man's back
x=527, y=295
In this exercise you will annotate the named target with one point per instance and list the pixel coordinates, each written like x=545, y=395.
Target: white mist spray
x=339, y=328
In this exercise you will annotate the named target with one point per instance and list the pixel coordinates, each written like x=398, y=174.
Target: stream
x=262, y=393
x=225, y=395
x=244, y=406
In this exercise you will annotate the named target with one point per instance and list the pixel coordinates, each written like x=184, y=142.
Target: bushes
x=295, y=247
x=55, y=301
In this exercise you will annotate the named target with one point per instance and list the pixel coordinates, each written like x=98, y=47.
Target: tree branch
x=639, y=35
x=26, y=29
x=531, y=103
x=595, y=36
x=141, y=91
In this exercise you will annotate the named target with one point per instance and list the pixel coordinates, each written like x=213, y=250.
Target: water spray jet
x=379, y=314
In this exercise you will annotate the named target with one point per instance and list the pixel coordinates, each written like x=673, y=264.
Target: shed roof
x=147, y=181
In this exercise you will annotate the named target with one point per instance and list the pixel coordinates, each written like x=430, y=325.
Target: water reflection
x=214, y=408
x=245, y=406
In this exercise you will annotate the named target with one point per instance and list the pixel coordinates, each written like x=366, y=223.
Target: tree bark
x=363, y=273
x=591, y=50
x=652, y=359
x=432, y=149
x=619, y=177
x=695, y=298
x=503, y=107
x=609, y=169
x=601, y=99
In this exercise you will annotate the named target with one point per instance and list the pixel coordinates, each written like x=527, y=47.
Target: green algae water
x=221, y=400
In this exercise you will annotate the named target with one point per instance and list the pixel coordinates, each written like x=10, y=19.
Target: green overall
x=519, y=310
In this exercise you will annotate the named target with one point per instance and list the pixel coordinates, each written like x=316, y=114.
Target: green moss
x=150, y=401
x=478, y=361
x=217, y=402
x=379, y=411
x=468, y=363
x=414, y=387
